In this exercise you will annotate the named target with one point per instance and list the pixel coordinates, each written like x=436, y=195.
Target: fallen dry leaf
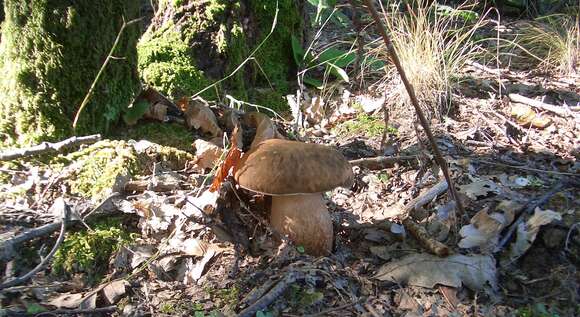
x=206, y=202
x=485, y=227
x=157, y=111
x=478, y=188
x=198, y=115
x=527, y=231
x=525, y=116
x=477, y=272
x=114, y=290
x=265, y=128
x=207, y=154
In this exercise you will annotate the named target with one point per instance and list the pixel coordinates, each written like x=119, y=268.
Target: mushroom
x=295, y=174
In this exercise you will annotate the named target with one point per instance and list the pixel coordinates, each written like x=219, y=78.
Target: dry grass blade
x=434, y=47
x=553, y=42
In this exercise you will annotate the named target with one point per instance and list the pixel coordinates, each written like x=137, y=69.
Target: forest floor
x=514, y=249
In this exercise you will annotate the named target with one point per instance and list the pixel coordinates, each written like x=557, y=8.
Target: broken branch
x=395, y=58
x=381, y=162
x=46, y=147
x=540, y=105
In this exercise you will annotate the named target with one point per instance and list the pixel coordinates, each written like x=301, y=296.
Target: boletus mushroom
x=295, y=174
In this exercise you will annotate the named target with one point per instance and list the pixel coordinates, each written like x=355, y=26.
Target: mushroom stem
x=305, y=220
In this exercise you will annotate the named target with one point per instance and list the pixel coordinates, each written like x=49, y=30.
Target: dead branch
x=8, y=246
x=143, y=185
x=425, y=198
x=561, y=111
x=424, y=239
x=275, y=292
x=529, y=209
x=78, y=311
x=381, y=162
x=46, y=147
x=64, y=211
x=395, y=58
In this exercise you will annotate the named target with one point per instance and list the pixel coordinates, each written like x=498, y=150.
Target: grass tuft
x=552, y=42
x=433, y=47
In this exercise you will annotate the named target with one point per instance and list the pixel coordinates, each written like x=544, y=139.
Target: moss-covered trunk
x=51, y=51
x=191, y=44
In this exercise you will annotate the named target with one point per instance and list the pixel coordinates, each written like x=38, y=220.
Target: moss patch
x=189, y=47
x=89, y=251
x=364, y=124
x=103, y=167
x=171, y=135
x=49, y=54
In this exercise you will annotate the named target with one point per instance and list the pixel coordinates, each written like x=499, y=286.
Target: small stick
x=395, y=58
x=65, y=212
x=47, y=147
x=424, y=239
x=105, y=63
x=531, y=206
x=272, y=295
x=381, y=162
x=560, y=111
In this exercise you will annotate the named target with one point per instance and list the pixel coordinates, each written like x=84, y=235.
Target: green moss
x=101, y=166
x=164, y=60
x=50, y=53
x=269, y=98
x=172, y=135
x=214, y=42
x=275, y=57
x=89, y=251
x=364, y=124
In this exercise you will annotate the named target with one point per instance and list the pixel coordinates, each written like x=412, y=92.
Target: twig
x=569, y=235
x=529, y=209
x=425, y=198
x=47, y=147
x=540, y=105
x=359, y=42
x=381, y=162
x=330, y=310
x=101, y=71
x=528, y=168
x=65, y=211
x=424, y=239
x=89, y=311
x=395, y=58
x=275, y=292
x=7, y=247
x=372, y=310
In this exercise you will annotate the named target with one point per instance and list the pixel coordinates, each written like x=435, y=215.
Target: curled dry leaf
x=198, y=115
x=526, y=116
x=527, y=231
x=485, y=227
x=157, y=111
x=206, y=154
x=476, y=272
x=231, y=161
x=265, y=128
x=114, y=290
x=479, y=188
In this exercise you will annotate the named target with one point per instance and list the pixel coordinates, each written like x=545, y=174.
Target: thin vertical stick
x=109, y=57
x=438, y=157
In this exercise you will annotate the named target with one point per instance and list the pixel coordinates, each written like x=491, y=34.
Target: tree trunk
x=50, y=53
x=192, y=44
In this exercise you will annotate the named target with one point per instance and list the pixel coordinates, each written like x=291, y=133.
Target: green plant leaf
x=324, y=4
x=338, y=72
x=336, y=56
x=297, y=51
x=300, y=249
x=135, y=112
x=313, y=82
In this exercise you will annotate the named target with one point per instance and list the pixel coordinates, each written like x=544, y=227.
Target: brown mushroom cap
x=283, y=167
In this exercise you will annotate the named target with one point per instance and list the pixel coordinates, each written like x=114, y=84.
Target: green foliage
x=171, y=135
x=536, y=310
x=332, y=59
x=89, y=251
x=302, y=298
x=364, y=124
x=224, y=296
x=49, y=55
x=165, y=64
